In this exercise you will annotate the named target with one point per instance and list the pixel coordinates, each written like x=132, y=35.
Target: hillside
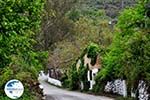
x=111, y=7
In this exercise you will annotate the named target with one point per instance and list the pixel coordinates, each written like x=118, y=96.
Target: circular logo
x=14, y=89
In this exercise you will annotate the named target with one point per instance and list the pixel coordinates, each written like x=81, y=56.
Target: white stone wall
x=54, y=81
x=143, y=94
x=119, y=87
x=42, y=76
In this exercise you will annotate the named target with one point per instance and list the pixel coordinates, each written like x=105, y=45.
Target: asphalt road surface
x=55, y=93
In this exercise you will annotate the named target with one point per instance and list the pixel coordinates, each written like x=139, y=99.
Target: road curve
x=55, y=93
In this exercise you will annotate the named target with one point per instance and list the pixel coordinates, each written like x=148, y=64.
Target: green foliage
x=18, y=19
x=6, y=75
x=111, y=7
x=19, y=22
x=129, y=54
x=82, y=72
x=74, y=15
x=65, y=81
x=73, y=78
x=76, y=76
x=86, y=28
x=99, y=88
x=56, y=26
x=100, y=82
x=92, y=52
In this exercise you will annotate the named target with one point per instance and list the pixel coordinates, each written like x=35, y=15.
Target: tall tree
x=19, y=22
x=55, y=25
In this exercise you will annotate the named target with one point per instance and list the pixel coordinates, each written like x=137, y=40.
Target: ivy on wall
x=75, y=77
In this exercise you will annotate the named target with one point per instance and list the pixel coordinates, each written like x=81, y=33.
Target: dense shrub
x=129, y=54
x=73, y=78
x=64, y=80
x=83, y=76
x=93, y=50
x=19, y=22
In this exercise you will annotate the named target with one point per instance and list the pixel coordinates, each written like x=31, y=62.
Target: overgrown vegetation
x=126, y=51
x=76, y=75
x=86, y=31
x=67, y=28
x=129, y=54
x=19, y=22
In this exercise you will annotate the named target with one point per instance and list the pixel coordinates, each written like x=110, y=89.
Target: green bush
x=19, y=22
x=83, y=76
x=93, y=50
x=65, y=81
x=99, y=86
x=73, y=78
x=128, y=55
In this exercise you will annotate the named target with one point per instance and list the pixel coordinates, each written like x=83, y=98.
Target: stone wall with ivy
x=77, y=76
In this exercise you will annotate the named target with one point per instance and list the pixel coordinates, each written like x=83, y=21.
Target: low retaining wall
x=119, y=87
x=54, y=81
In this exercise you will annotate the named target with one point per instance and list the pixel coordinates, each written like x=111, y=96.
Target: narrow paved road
x=54, y=93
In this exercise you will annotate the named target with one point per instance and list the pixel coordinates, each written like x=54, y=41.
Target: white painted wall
x=143, y=94
x=54, y=81
x=92, y=81
x=119, y=86
x=42, y=76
